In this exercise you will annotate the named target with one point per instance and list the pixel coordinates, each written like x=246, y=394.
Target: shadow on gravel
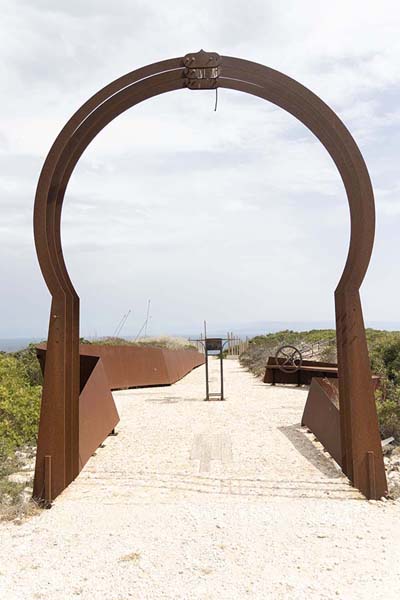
x=304, y=445
x=282, y=385
x=242, y=487
x=173, y=400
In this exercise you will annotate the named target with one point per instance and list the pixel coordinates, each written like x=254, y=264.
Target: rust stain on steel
x=59, y=423
x=137, y=366
x=305, y=373
x=302, y=376
x=321, y=415
x=98, y=415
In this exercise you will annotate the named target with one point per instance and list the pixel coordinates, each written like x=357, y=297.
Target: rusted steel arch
x=58, y=434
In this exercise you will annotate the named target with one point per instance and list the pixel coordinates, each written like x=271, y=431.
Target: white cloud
x=173, y=200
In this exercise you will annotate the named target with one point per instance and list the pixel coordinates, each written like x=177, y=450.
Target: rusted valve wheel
x=289, y=359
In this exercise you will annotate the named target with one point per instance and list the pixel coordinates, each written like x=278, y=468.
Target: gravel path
x=195, y=500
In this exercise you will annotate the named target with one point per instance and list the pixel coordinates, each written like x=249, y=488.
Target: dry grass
x=171, y=343
x=19, y=512
x=15, y=502
x=132, y=557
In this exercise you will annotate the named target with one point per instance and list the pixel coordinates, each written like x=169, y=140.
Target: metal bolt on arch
x=58, y=443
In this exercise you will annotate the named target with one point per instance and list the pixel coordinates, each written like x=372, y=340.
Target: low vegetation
x=171, y=343
x=20, y=392
x=384, y=348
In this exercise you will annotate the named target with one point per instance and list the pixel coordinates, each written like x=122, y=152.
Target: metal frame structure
x=58, y=441
x=214, y=345
x=288, y=358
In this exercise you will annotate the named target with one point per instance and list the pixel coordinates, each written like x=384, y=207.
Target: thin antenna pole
x=140, y=331
x=147, y=318
x=117, y=327
x=123, y=322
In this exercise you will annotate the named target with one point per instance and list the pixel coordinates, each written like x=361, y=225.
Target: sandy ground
x=195, y=500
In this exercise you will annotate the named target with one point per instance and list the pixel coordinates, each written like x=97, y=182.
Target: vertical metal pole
x=206, y=365
x=371, y=475
x=222, y=373
x=206, y=355
x=147, y=318
x=47, y=478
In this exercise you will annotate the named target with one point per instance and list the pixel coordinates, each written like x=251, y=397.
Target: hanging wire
x=216, y=99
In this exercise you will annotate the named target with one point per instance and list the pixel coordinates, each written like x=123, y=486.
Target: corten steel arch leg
x=59, y=424
x=58, y=435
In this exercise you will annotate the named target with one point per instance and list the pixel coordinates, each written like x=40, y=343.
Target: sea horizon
x=13, y=344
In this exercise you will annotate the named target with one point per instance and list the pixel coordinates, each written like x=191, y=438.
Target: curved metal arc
x=255, y=88
x=46, y=175
x=69, y=158
x=318, y=117
x=90, y=128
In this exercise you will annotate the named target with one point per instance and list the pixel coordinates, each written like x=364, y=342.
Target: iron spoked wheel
x=289, y=359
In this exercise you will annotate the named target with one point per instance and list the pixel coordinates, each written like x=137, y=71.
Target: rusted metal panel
x=137, y=366
x=59, y=424
x=303, y=376
x=98, y=415
x=133, y=366
x=202, y=70
x=322, y=416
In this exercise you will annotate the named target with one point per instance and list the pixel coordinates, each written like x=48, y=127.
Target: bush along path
x=20, y=393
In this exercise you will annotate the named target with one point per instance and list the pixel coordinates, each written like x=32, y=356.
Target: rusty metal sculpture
x=298, y=373
x=289, y=359
x=58, y=443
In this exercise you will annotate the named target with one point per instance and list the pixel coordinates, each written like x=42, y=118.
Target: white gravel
x=195, y=500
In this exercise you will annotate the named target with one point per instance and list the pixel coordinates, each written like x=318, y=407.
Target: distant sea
x=260, y=328
x=14, y=344
x=240, y=330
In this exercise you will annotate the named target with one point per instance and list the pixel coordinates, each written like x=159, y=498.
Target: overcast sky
x=234, y=216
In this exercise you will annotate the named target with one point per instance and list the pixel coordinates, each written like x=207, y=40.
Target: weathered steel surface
x=322, y=416
x=98, y=415
x=302, y=376
x=289, y=358
x=59, y=426
x=138, y=366
x=202, y=70
x=305, y=373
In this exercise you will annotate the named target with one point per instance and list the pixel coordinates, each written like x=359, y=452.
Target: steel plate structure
x=59, y=422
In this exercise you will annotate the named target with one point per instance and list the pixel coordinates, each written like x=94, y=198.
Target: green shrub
x=28, y=361
x=389, y=418
x=19, y=406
